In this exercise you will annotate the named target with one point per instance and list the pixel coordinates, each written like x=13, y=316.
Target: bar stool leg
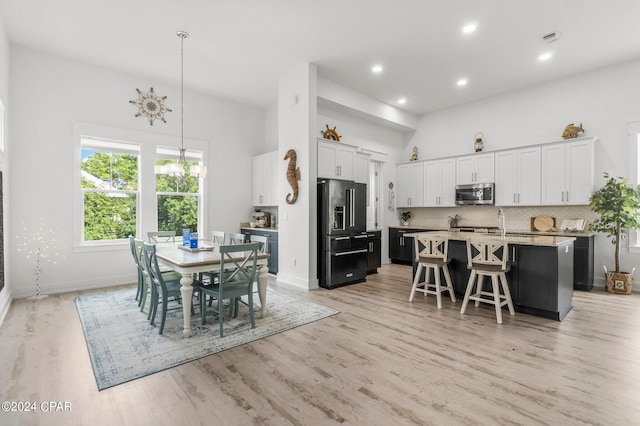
x=496, y=298
x=467, y=292
x=436, y=272
x=507, y=293
x=447, y=278
x=479, y=286
x=415, y=281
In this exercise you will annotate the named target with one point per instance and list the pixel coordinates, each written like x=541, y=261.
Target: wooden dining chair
x=218, y=237
x=136, y=258
x=236, y=238
x=164, y=288
x=147, y=284
x=159, y=237
x=241, y=263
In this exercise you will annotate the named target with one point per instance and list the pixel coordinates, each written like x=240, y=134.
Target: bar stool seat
x=488, y=258
x=431, y=254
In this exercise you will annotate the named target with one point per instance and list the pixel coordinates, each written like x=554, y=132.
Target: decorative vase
x=619, y=283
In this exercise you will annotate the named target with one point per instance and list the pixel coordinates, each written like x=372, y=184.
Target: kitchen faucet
x=501, y=223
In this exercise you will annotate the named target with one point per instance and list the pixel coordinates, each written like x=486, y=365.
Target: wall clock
x=150, y=105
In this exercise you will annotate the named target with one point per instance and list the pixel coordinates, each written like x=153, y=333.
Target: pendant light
x=182, y=168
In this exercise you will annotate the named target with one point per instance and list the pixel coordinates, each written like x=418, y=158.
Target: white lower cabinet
x=440, y=183
x=517, y=174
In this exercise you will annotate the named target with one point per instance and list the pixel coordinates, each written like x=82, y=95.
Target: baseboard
x=293, y=281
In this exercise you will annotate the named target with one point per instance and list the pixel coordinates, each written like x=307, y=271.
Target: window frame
x=633, y=244
x=146, y=215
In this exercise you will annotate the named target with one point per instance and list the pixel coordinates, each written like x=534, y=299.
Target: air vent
x=551, y=37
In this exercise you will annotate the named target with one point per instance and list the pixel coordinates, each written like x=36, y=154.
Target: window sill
x=100, y=246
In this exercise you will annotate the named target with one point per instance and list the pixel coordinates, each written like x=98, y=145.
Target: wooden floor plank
x=382, y=359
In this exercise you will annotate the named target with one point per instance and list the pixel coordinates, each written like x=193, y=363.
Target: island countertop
x=532, y=240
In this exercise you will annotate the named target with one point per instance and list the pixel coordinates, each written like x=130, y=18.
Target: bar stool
x=488, y=258
x=431, y=253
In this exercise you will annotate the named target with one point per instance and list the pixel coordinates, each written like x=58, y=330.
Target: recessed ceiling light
x=470, y=27
x=376, y=69
x=545, y=56
x=462, y=82
x=402, y=100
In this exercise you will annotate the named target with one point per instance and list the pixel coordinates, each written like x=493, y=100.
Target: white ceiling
x=239, y=48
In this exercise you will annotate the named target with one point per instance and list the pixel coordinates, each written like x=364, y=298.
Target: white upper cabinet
x=362, y=167
x=440, y=183
x=517, y=174
x=410, y=185
x=474, y=169
x=567, y=172
x=265, y=179
x=336, y=160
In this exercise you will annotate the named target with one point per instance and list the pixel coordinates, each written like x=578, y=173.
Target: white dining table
x=187, y=263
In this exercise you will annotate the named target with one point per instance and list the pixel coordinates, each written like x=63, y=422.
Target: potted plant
x=405, y=217
x=617, y=203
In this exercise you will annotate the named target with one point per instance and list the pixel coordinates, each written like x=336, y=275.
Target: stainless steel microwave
x=477, y=193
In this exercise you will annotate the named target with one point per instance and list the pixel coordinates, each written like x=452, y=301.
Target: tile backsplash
x=516, y=218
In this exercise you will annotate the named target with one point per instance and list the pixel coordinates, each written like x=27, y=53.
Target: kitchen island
x=541, y=276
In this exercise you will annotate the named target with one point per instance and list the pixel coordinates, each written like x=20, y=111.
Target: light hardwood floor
x=381, y=361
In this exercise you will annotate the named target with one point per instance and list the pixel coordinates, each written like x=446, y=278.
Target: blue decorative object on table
x=186, y=237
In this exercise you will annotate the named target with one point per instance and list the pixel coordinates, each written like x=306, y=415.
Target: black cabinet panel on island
x=374, y=251
x=401, y=247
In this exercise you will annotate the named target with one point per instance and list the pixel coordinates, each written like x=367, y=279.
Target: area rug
x=123, y=346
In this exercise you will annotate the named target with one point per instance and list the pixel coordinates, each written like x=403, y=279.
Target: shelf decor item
x=478, y=145
x=572, y=131
x=414, y=155
x=405, y=217
x=331, y=134
x=617, y=203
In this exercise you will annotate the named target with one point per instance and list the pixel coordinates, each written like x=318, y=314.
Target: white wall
x=297, y=240
x=50, y=93
x=5, y=293
x=604, y=101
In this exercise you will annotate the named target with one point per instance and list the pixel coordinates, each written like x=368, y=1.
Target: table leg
x=262, y=288
x=186, y=290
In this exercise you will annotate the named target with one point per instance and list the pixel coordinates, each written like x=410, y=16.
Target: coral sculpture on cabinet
x=293, y=175
x=572, y=131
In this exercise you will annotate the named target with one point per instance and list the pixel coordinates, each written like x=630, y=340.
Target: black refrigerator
x=342, y=237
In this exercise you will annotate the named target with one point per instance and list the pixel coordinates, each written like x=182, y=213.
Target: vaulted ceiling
x=238, y=49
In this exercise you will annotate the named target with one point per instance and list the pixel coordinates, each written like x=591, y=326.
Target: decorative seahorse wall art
x=293, y=175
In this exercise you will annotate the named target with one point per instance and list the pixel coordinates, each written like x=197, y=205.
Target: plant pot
x=405, y=223
x=619, y=282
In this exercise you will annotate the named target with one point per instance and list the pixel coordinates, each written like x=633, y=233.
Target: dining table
x=205, y=259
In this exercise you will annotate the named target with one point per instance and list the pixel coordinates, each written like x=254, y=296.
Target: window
x=114, y=180
x=109, y=182
x=177, y=196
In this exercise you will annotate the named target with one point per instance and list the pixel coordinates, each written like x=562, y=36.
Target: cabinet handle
x=370, y=247
x=518, y=198
x=514, y=197
x=567, y=196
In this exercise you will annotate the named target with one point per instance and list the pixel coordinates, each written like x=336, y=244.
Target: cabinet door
x=484, y=169
x=346, y=163
x=327, y=160
x=528, y=177
x=506, y=170
x=402, y=191
x=416, y=184
x=465, y=170
x=432, y=183
x=579, y=177
x=448, y=183
x=258, y=183
x=362, y=175
x=553, y=174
